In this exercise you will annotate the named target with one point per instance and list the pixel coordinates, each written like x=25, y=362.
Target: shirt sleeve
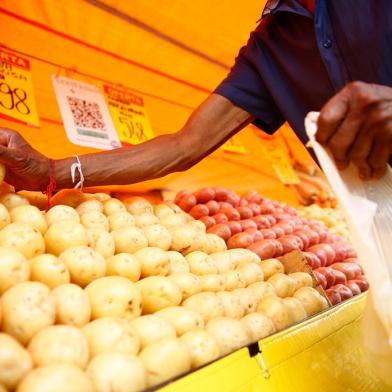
x=244, y=87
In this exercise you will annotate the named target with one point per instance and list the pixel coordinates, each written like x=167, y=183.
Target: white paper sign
x=85, y=115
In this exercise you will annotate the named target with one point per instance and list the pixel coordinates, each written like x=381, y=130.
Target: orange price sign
x=16, y=89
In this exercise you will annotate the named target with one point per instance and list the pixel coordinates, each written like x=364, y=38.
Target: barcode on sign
x=86, y=114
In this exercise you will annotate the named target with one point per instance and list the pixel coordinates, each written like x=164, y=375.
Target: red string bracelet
x=51, y=186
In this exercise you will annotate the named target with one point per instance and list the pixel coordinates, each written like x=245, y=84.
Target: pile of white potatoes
x=120, y=296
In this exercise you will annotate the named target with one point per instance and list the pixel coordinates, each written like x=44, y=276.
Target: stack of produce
x=272, y=229
x=332, y=217
x=120, y=296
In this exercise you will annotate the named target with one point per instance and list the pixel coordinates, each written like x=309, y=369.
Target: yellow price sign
x=16, y=89
x=129, y=116
x=281, y=164
x=234, y=145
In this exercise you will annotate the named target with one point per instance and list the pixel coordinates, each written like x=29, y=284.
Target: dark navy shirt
x=295, y=61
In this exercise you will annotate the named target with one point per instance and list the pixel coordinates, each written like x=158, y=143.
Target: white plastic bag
x=368, y=209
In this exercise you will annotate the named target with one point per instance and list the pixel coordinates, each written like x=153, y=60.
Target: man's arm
x=356, y=125
x=209, y=126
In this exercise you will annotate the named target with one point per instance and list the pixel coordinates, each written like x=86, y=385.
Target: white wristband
x=77, y=165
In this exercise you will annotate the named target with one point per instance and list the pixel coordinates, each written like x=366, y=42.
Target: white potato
x=198, y=225
x=296, y=309
x=177, y=262
x=283, y=284
x=89, y=206
x=160, y=210
x=12, y=200
x=101, y=196
x=182, y=236
x=138, y=205
x=233, y=280
x=120, y=219
x=111, y=334
x=158, y=292
x=23, y=237
x=94, y=219
x=311, y=300
x=174, y=220
x=146, y=219
x=5, y=218
x=15, y=361
x=247, y=298
x=202, y=346
x=59, y=377
x=262, y=290
x=215, y=243
x=243, y=256
x=49, y=270
x=61, y=213
x=258, y=325
x=158, y=236
x=112, y=205
x=84, y=264
x=229, y=333
x=208, y=305
x=129, y=239
x=222, y=261
x=124, y=264
x=212, y=282
x=114, y=296
x=27, y=308
x=155, y=359
x=200, y=263
x=14, y=268
x=63, y=235
x=153, y=261
x=151, y=328
x=271, y=267
x=301, y=279
x=117, y=372
x=101, y=241
x=59, y=344
x=30, y=215
x=231, y=304
x=251, y=273
x=181, y=318
x=275, y=309
x=189, y=284
x=72, y=305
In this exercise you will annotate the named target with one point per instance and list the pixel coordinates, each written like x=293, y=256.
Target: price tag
x=16, y=89
x=234, y=145
x=129, y=115
x=281, y=164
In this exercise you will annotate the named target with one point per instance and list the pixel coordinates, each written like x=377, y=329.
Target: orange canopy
x=174, y=53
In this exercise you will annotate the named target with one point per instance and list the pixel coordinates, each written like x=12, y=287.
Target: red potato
x=255, y=208
x=279, y=232
x=278, y=248
x=281, y=216
x=234, y=226
x=321, y=231
x=351, y=252
x=261, y=221
x=208, y=221
x=345, y=292
x=267, y=208
x=249, y=195
x=268, y=234
x=321, y=279
x=233, y=199
x=355, y=289
x=256, y=234
x=328, y=273
x=290, y=210
x=313, y=236
x=351, y=270
x=213, y=207
x=245, y=212
x=240, y=240
x=363, y=284
x=340, y=277
x=231, y=213
x=180, y=195
x=312, y=260
x=204, y=195
x=265, y=249
x=220, y=230
x=287, y=227
x=244, y=202
x=296, y=238
x=220, y=194
x=333, y=296
x=223, y=204
x=187, y=202
x=271, y=219
x=305, y=239
x=220, y=218
x=290, y=243
x=199, y=210
x=248, y=224
x=325, y=253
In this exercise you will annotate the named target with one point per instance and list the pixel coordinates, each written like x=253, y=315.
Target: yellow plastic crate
x=321, y=354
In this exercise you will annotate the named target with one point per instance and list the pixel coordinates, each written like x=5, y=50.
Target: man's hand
x=26, y=168
x=356, y=125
